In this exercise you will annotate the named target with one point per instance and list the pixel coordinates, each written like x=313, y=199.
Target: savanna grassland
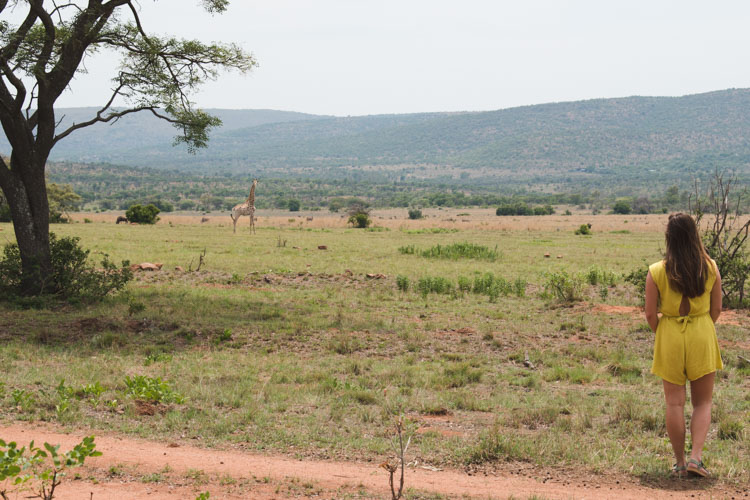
x=308, y=337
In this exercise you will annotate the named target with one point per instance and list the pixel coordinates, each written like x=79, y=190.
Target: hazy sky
x=355, y=57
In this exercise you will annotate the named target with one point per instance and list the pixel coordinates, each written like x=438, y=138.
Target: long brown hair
x=686, y=261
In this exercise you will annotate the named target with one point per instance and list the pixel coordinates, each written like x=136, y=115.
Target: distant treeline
x=108, y=187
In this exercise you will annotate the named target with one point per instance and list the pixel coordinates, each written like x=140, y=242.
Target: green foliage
x=637, y=278
x=454, y=251
x=622, y=207
x=62, y=200
x=402, y=282
x=203, y=496
x=596, y=275
x=415, y=213
x=152, y=389
x=583, y=229
x=563, y=287
x=141, y=214
x=434, y=284
x=293, y=205
x=73, y=279
x=360, y=220
x=40, y=469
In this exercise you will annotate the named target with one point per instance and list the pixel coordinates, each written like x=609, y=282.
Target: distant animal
x=204, y=219
x=309, y=219
x=121, y=219
x=246, y=208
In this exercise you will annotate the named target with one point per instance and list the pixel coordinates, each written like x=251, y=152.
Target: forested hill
x=604, y=143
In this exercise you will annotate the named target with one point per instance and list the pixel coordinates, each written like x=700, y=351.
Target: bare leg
x=701, y=395
x=252, y=223
x=234, y=221
x=675, y=397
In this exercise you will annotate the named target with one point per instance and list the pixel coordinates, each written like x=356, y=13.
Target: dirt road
x=137, y=469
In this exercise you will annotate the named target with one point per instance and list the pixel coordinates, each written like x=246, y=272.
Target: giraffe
x=246, y=208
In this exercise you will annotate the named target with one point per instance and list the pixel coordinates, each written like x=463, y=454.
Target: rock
x=546, y=255
x=559, y=256
x=180, y=269
x=348, y=272
x=322, y=247
x=377, y=276
x=148, y=266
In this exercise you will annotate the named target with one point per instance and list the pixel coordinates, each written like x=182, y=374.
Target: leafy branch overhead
x=156, y=74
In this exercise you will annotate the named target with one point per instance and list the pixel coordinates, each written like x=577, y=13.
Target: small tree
x=359, y=215
x=142, y=214
x=724, y=236
x=62, y=200
x=415, y=213
x=293, y=205
x=622, y=207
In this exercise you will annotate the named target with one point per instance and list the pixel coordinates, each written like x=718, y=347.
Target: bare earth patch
x=136, y=469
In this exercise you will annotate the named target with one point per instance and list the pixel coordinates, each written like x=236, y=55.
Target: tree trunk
x=27, y=198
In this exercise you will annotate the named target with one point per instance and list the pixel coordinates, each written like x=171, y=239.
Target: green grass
x=269, y=348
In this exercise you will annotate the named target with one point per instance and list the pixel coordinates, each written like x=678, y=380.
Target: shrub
x=622, y=207
x=595, y=275
x=294, y=205
x=402, y=282
x=455, y=251
x=44, y=468
x=415, y=214
x=563, y=287
x=360, y=220
x=437, y=284
x=72, y=278
x=584, y=229
x=637, y=278
x=142, y=214
x=152, y=389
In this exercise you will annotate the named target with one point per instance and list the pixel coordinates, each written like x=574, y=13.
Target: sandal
x=679, y=470
x=696, y=468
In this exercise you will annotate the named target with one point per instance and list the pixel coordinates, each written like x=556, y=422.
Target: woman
x=686, y=288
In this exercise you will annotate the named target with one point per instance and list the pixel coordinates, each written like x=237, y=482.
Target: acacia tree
x=39, y=59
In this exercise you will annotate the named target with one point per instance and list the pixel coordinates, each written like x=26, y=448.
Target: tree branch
x=49, y=39
x=9, y=50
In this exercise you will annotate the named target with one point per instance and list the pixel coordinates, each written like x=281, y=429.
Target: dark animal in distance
x=121, y=219
x=204, y=219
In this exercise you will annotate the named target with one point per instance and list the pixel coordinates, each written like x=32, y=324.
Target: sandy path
x=265, y=477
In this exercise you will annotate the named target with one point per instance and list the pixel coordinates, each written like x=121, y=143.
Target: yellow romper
x=685, y=346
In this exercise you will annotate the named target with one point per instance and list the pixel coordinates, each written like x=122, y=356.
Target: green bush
x=584, y=229
x=402, y=282
x=454, y=251
x=360, y=220
x=142, y=214
x=563, y=287
x=596, y=275
x=436, y=284
x=37, y=469
x=294, y=205
x=415, y=214
x=152, y=389
x=637, y=278
x=622, y=207
x=73, y=278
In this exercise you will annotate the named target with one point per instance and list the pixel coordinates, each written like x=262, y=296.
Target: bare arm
x=716, y=297
x=652, y=299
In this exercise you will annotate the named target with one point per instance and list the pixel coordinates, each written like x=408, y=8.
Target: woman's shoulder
x=656, y=267
x=712, y=267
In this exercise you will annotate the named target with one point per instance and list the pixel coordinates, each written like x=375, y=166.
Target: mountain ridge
x=592, y=143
